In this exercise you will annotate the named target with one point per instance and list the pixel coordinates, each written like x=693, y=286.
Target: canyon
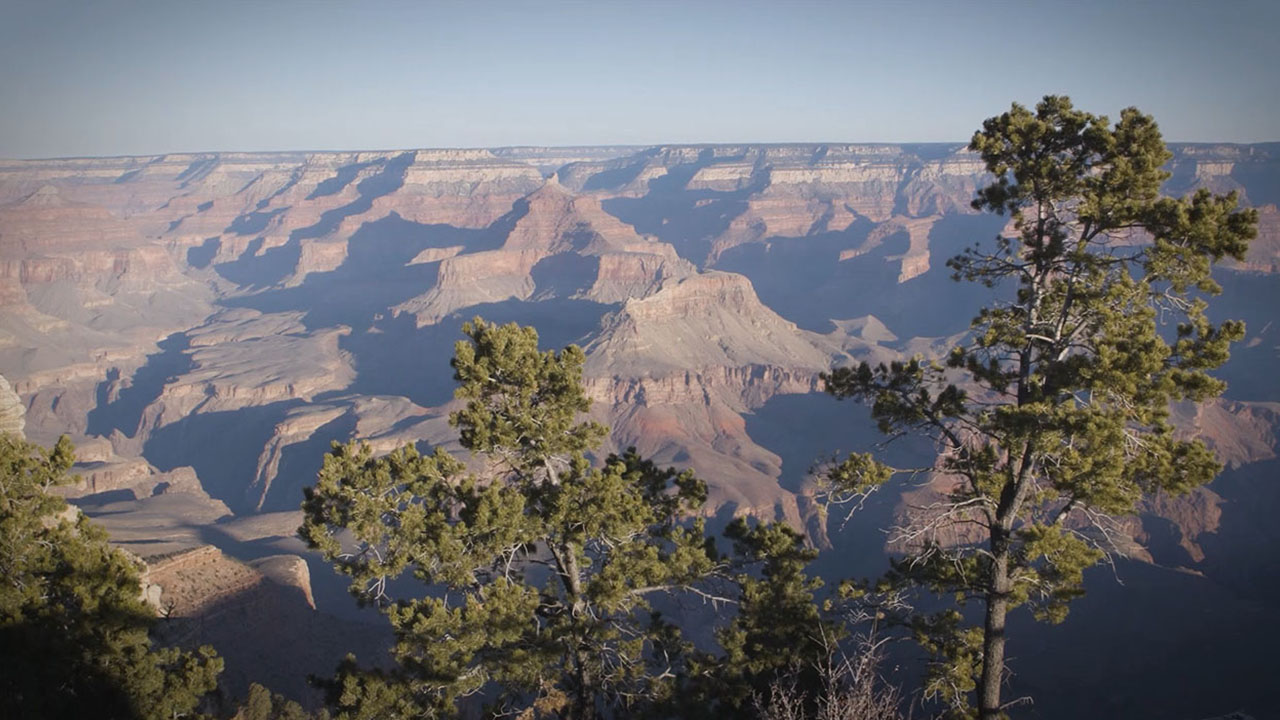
x=204, y=325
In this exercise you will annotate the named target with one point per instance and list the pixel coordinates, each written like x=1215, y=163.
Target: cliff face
x=578, y=249
x=195, y=581
x=206, y=597
x=708, y=320
x=1264, y=251
x=675, y=371
x=12, y=418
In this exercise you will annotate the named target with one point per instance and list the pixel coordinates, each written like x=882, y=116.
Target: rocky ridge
x=12, y=418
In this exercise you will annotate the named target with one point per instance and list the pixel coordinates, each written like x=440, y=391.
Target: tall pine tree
x=536, y=573
x=1053, y=414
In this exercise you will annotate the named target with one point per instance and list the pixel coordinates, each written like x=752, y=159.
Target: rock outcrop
x=12, y=415
x=550, y=223
x=710, y=319
x=193, y=581
x=1264, y=251
x=678, y=368
x=287, y=571
x=249, y=359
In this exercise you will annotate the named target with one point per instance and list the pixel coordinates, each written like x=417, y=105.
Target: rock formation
x=12, y=417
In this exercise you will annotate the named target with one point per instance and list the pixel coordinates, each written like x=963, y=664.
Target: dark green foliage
x=262, y=704
x=1054, y=414
x=524, y=404
x=537, y=572
x=777, y=631
x=73, y=627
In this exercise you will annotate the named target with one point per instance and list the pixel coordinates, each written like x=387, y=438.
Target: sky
x=133, y=78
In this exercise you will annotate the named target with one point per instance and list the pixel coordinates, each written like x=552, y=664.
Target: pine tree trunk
x=585, y=705
x=993, y=631
x=582, y=707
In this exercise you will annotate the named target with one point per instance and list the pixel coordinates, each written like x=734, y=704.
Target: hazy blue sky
x=101, y=78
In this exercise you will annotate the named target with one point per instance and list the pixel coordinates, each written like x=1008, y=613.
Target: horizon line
x=534, y=146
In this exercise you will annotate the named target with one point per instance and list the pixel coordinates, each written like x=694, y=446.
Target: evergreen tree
x=777, y=630
x=1053, y=414
x=73, y=627
x=262, y=704
x=538, y=572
